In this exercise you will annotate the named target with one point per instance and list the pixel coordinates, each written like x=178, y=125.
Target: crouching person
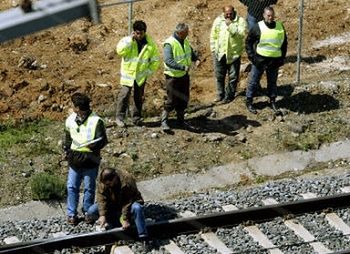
x=119, y=202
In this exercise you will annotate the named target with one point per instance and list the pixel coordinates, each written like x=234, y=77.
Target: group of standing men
x=118, y=199
x=265, y=44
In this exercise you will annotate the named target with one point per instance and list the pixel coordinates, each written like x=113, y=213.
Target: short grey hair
x=181, y=27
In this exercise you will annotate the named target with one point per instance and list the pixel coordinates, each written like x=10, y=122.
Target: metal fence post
x=300, y=37
x=130, y=18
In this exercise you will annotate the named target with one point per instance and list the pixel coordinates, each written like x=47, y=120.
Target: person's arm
x=214, y=33
x=102, y=201
x=154, y=60
x=124, y=46
x=100, y=132
x=284, y=45
x=169, y=58
x=251, y=41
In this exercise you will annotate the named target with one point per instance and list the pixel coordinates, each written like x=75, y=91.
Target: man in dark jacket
x=85, y=136
x=266, y=47
x=119, y=202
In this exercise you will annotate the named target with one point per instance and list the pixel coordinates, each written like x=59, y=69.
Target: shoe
x=250, y=107
x=165, y=126
x=120, y=122
x=72, y=220
x=137, y=122
x=227, y=100
x=274, y=106
x=89, y=219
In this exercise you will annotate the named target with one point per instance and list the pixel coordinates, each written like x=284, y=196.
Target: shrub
x=45, y=187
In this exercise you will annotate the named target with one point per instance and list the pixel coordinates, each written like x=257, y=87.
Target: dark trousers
x=178, y=92
x=123, y=101
x=221, y=70
x=254, y=79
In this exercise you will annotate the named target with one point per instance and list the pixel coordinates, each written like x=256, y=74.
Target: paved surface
x=168, y=186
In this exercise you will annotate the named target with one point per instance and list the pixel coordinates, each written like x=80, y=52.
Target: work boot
x=250, y=107
x=273, y=105
x=72, y=220
x=164, y=121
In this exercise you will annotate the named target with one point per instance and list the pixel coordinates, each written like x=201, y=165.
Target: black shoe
x=227, y=100
x=137, y=122
x=165, y=126
x=274, y=106
x=251, y=108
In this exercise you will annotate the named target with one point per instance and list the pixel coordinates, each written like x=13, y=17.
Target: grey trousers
x=123, y=101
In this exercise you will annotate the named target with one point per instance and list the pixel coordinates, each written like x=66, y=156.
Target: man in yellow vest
x=85, y=136
x=178, y=57
x=266, y=47
x=140, y=59
x=227, y=44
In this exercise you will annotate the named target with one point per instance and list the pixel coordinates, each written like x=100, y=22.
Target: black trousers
x=178, y=92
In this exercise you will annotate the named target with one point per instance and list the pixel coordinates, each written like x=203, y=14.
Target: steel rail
x=170, y=228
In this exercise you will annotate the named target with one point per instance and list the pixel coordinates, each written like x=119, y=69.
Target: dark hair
x=139, y=25
x=81, y=101
x=107, y=174
x=269, y=8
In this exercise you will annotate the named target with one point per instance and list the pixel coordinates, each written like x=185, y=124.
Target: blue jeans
x=251, y=20
x=254, y=79
x=137, y=215
x=75, y=178
x=221, y=69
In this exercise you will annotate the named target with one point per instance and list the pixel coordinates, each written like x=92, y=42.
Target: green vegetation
x=46, y=186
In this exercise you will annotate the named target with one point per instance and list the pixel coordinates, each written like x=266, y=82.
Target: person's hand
x=133, y=35
x=102, y=221
x=125, y=224
x=228, y=21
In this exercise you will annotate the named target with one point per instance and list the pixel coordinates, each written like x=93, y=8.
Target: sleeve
x=100, y=132
x=251, y=41
x=124, y=46
x=67, y=142
x=154, y=61
x=214, y=35
x=102, y=200
x=133, y=195
x=169, y=58
x=284, y=45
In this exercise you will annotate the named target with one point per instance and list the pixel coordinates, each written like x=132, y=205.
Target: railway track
x=212, y=233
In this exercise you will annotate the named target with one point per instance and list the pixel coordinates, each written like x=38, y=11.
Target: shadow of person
x=309, y=59
x=307, y=103
x=228, y=125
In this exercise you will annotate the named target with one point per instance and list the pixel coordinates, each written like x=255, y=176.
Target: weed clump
x=46, y=187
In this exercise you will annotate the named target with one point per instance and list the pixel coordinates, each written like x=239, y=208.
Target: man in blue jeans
x=266, y=47
x=119, y=202
x=85, y=136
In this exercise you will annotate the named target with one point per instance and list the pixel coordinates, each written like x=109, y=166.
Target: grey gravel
x=236, y=238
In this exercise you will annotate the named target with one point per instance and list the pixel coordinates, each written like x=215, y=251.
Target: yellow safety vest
x=182, y=55
x=228, y=40
x=81, y=134
x=271, y=40
x=137, y=67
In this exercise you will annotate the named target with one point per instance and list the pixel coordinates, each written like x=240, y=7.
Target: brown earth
x=38, y=73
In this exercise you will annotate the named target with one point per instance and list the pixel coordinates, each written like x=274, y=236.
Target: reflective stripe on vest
x=182, y=55
x=137, y=66
x=81, y=134
x=271, y=40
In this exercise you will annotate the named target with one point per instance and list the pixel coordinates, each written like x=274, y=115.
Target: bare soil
x=38, y=74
